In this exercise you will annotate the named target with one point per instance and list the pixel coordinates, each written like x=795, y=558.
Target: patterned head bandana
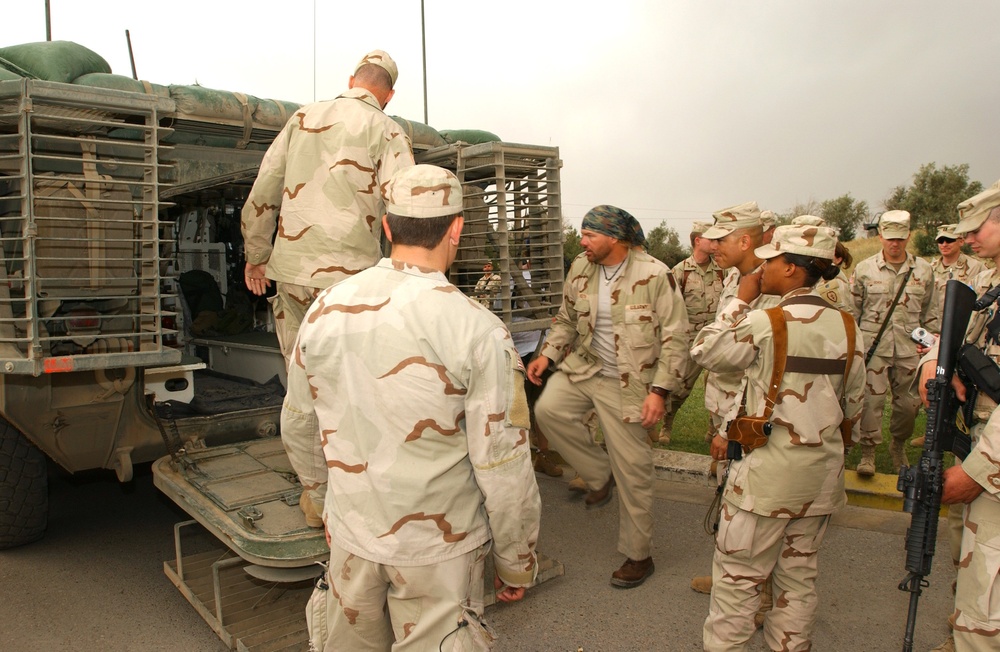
x=614, y=222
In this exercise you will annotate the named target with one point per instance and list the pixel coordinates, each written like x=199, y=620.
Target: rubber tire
x=24, y=492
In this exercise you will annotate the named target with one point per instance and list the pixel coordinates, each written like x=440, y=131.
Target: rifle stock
x=922, y=484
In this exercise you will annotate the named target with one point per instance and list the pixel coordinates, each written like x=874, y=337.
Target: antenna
x=131, y=57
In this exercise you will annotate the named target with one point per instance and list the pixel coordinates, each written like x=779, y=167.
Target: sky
x=668, y=109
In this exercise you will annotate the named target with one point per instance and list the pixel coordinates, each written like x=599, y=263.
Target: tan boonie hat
x=807, y=240
x=423, y=191
x=700, y=227
x=727, y=220
x=381, y=59
x=947, y=231
x=973, y=211
x=894, y=225
x=768, y=219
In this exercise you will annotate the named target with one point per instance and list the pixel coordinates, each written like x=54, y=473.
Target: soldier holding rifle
x=976, y=481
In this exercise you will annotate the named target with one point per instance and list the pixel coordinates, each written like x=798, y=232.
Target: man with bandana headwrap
x=620, y=341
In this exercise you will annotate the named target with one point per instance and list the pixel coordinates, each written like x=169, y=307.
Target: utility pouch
x=980, y=370
x=750, y=432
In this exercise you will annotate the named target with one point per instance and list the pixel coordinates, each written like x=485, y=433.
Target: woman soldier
x=802, y=396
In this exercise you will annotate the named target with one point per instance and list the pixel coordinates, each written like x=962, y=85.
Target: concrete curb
x=878, y=491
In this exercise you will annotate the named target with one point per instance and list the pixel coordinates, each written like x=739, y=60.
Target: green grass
x=691, y=423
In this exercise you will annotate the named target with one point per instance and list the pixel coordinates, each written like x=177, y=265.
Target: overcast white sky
x=668, y=109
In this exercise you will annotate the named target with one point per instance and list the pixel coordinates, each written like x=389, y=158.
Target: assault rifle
x=922, y=484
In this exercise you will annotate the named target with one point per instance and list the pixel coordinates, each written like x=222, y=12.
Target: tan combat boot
x=578, y=485
x=866, y=466
x=896, y=453
x=665, y=429
x=545, y=464
x=702, y=584
x=918, y=442
x=314, y=518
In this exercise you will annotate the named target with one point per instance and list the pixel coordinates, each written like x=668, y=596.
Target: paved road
x=96, y=581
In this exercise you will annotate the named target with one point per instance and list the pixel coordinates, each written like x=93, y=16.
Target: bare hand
x=927, y=372
x=536, y=368
x=959, y=487
x=719, y=446
x=653, y=409
x=507, y=593
x=749, y=288
x=256, y=280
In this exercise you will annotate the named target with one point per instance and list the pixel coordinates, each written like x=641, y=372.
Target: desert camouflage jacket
x=650, y=324
x=417, y=394
x=983, y=463
x=874, y=285
x=800, y=471
x=701, y=289
x=964, y=269
x=837, y=292
x=320, y=187
x=722, y=389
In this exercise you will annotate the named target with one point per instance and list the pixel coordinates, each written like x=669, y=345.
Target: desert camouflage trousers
x=377, y=607
x=976, y=620
x=748, y=548
x=691, y=372
x=289, y=305
x=561, y=410
x=898, y=375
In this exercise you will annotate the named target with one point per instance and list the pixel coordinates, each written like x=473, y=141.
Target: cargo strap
x=247, y=121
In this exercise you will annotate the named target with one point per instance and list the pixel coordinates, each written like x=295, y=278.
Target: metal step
x=254, y=615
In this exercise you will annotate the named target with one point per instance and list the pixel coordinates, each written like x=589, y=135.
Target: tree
x=664, y=243
x=932, y=199
x=571, y=244
x=844, y=214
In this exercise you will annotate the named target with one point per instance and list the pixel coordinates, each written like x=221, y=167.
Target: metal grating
x=513, y=213
x=80, y=279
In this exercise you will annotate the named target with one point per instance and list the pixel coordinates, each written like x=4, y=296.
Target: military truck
x=127, y=336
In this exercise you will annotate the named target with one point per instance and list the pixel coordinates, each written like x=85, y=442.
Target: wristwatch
x=659, y=391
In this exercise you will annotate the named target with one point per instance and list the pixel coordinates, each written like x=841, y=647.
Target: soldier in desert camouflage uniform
x=737, y=232
x=619, y=340
x=976, y=481
x=700, y=280
x=418, y=393
x=320, y=188
x=952, y=263
x=779, y=497
x=894, y=365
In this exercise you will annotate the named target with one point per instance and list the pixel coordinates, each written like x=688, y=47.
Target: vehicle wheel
x=24, y=497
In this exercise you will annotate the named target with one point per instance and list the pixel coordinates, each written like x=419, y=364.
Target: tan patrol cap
x=768, y=219
x=699, y=228
x=807, y=240
x=947, y=231
x=423, y=191
x=727, y=220
x=381, y=59
x=894, y=225
x=973, y=211
x=808, y=220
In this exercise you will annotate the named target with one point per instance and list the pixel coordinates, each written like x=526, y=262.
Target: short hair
x=816, y=268
x=371, y=74
x=424, y=232
x=756, y=234
x=694, y=236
